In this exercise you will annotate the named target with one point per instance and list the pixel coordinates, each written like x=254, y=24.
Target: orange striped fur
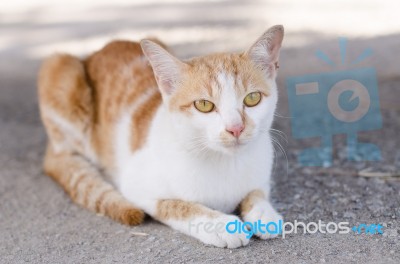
x=89, y=96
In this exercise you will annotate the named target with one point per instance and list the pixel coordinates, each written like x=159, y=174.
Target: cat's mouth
x=229, y=144
x=234, y=144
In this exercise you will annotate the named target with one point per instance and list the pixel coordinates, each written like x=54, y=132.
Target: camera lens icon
x=332, y=103
x=358, y=92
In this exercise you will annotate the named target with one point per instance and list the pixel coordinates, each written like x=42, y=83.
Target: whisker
x=280, y=133
x=281, y=116
x=274, y=140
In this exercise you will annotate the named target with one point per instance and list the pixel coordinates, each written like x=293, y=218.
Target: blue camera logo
x=340, y=102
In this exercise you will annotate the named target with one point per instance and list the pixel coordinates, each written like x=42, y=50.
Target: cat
x=133, y=130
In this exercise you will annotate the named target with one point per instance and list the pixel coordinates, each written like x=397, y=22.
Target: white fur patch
x=124, y=131
x=229, y=106
x=72, y=134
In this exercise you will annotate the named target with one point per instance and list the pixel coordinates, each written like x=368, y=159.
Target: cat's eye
x=252, y=99
x=204, y=106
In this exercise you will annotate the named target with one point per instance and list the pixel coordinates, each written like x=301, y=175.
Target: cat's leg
x=256, y=206
x=196, y=220
x=83, y=182
x=66, y=109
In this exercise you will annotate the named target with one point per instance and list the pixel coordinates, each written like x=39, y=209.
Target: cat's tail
x=83, y=182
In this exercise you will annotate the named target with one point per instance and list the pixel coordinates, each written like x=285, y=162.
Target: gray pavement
x=39, y=223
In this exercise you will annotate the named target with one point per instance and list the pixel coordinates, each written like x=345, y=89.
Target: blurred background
x=32, y=30
x=36, y=28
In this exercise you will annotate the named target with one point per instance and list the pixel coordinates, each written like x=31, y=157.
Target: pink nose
x=235, y=130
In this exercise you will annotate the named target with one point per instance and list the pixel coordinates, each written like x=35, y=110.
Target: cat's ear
x=265, y=51
x=167, y=69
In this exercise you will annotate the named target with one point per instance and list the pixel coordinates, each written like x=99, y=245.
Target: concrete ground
x=39, y=223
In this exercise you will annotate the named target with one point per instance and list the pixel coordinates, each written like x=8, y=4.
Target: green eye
x=204, y=106
x=252, y=99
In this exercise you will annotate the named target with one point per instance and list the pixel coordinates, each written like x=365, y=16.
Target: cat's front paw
x=269, y=219
x=214, y=232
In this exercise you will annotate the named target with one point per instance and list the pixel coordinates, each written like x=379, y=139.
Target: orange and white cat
x=134, y=130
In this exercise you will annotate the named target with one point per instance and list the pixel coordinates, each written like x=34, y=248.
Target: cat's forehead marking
x=212, y=76
x=227, y=87
x=231, y=81
x=229, y=105
x=225, y=80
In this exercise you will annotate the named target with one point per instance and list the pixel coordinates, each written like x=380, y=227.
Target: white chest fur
x=163, y=170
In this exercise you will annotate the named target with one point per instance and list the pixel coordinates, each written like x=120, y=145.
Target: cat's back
x=119, y=73
x=122, y=80
x=108, y=61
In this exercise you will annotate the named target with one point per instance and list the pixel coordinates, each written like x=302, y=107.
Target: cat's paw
x=268, y=216
x=213, y=232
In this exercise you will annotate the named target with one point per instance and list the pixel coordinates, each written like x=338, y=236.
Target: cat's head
x=220, y=101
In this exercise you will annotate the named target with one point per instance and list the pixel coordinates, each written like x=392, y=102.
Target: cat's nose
x=235, y=130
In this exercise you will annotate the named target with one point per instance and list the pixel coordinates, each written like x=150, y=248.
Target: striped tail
x=83, y=182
